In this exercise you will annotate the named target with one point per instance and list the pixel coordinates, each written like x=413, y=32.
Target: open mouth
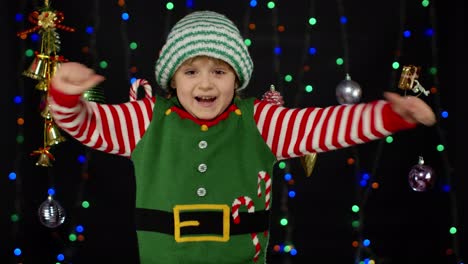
x=205, y=99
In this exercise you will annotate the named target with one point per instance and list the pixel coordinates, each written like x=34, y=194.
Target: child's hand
x=411, y=108
x=75, y=78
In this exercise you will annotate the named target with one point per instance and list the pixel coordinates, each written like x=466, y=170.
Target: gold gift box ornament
x=409, y=80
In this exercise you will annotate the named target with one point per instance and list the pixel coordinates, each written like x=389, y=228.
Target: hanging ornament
x=421, y=177
x=45, y=113
x=45, y=157
x=408, y=80
x=39, y=67
x=95, y=94
x=42, y=85
x=308, y=163
x=348, y=91
x=45, y=20
x=55, y=63
x=274, y=97
x=45, y=64
x=52, y=135
x=51, y=213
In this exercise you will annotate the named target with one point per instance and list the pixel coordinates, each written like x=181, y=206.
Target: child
x=204, y=157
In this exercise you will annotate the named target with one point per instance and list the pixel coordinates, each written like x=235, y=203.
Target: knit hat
x=204, y=33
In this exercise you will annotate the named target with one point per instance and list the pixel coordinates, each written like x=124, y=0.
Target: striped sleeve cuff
x=393, y=122
x=62, y=99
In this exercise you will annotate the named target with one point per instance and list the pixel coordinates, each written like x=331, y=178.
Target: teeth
x=206, y=97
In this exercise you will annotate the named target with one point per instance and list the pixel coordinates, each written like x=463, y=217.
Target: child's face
x=205, y=86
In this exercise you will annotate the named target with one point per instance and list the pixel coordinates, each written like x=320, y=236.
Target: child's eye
x=189, y=72
x=220, y=72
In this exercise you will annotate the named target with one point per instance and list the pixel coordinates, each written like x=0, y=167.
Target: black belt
x=210, y=222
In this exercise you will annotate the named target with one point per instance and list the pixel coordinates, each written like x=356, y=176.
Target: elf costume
x=203, y=187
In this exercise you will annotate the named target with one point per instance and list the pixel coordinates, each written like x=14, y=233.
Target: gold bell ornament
x=45, y=113
x=44, y=161
x=52, y=134
x=39, y=68
x=55, y=63
x=42, y=85
x=45, y=157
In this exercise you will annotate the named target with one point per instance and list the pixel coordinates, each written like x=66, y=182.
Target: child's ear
x=173, y=85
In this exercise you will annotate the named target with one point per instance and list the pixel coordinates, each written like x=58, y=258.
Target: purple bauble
x=421, y=177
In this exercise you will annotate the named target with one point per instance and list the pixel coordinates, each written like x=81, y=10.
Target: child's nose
x=205, y=82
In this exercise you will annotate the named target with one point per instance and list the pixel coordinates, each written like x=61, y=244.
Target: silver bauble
x=348, y=91
x=51, y=213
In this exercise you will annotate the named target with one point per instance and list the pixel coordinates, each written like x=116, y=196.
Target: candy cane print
x=266, y=178
x=137, y=83
x=263, y=176
x=247, y=201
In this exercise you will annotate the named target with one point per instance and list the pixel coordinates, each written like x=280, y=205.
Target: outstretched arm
x=114, y=129
x=296, y=132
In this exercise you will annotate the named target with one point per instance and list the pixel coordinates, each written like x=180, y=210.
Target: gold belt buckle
x=200, y=207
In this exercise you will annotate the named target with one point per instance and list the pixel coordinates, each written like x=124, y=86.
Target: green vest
x=181, y=169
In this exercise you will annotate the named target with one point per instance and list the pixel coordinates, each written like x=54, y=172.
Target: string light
x=16, y=213
x=190, y=4
x=361, y=245
x=170, y=6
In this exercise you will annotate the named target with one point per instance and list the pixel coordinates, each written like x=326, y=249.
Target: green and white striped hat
x=204, y=33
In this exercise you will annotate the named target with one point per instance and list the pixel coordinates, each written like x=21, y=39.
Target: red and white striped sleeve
x=296, y=132
x=112, y=128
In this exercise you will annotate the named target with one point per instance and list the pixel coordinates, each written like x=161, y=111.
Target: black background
x=404, y=226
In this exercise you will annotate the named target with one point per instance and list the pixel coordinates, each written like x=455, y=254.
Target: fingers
x=416, y=109
x=423, y=113
x=93, y=81
x=75, y=78
x=411, y=108
x=393, y=97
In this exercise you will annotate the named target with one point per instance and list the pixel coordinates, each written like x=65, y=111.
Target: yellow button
x=238, y=112
x=168, y=111
x=204, y=128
